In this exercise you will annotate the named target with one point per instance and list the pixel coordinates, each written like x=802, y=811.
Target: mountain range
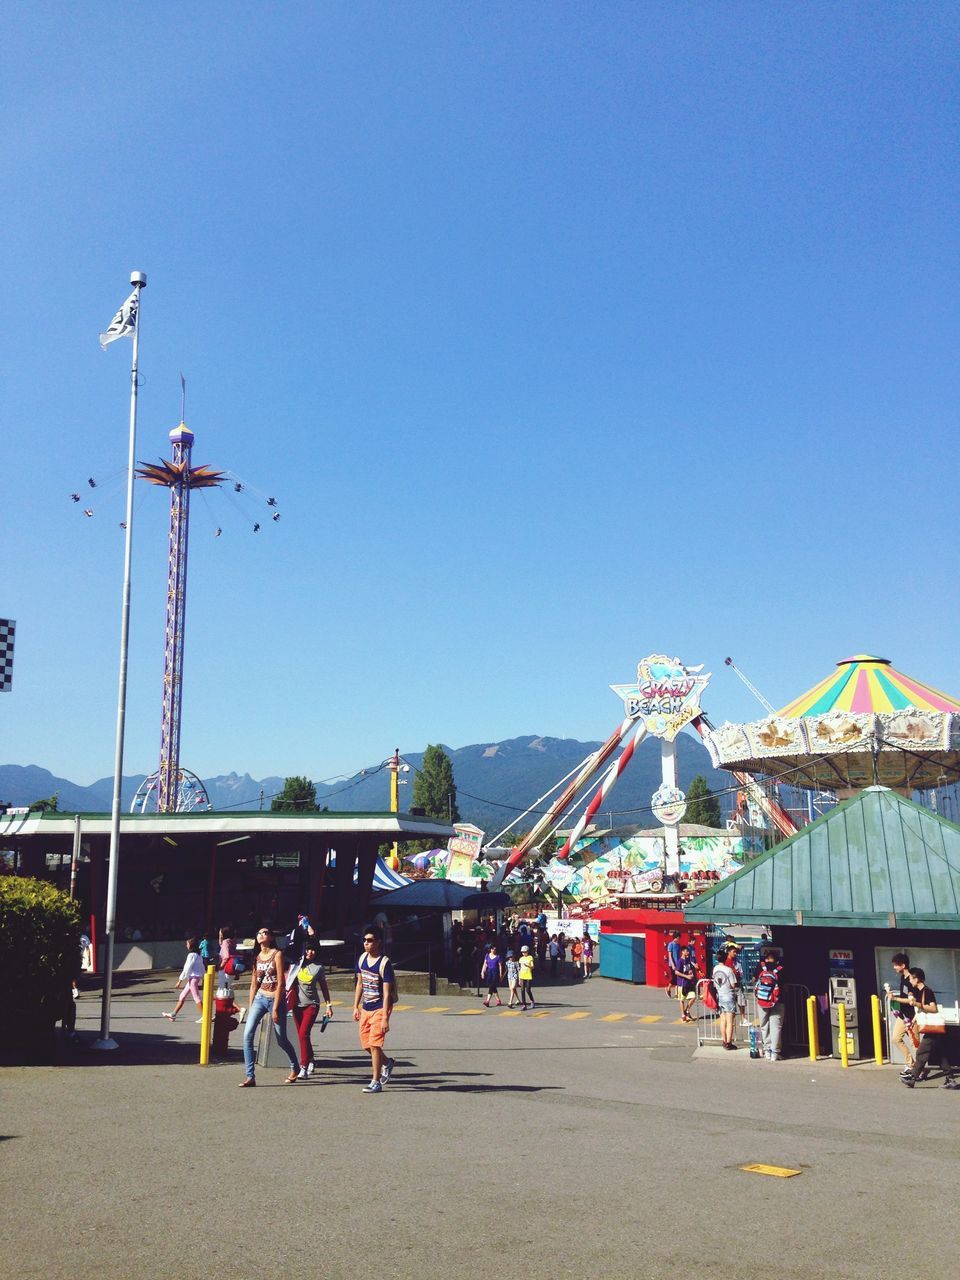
x=495, y=781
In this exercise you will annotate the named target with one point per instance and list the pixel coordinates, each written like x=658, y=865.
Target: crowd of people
x=511, y=960
x=528, y=944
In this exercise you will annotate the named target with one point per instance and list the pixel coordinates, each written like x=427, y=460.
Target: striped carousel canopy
x=865, y=684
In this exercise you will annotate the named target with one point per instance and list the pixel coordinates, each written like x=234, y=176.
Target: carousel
x=865, y=724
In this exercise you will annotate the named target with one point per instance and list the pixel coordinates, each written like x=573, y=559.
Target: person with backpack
x=373, y=1001
x=769, y=998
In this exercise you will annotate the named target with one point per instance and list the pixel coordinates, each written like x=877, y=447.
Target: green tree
x=702, y=805
x=298, y=794
x=434, y=790
x=50, y=805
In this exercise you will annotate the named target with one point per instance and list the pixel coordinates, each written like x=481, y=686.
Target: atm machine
x=843, y=991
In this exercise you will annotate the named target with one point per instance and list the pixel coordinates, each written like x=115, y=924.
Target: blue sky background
x=562, y=333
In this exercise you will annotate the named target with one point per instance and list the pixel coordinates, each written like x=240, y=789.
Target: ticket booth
x=653, y=928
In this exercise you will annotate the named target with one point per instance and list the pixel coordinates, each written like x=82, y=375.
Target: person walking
x=554, y=955
x=933, y=1034
x=576, y=952
x=492, y=975
x=267, y=998
x=673, y=963
x=373, y=1002
x=686, y=983
x=902, y=1009
x=587, y=955
x=727, y=984
x=191, y=975
x=769, y=996
x=526, y=979
x=513, y=980
x=308, y=976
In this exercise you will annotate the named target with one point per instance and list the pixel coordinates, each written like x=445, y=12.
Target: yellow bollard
x=877, y=1036
x=842, y=1034
x=206, y=1020
x=812, y=1031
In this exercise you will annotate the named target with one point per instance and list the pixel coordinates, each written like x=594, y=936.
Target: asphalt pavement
x=589, y=1137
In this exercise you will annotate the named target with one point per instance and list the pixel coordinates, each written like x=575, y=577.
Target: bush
x=40, y=953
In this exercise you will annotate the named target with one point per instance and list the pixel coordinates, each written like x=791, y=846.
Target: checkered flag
x=8, y=629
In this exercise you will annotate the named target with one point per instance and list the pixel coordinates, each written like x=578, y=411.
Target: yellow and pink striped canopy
x=867, y=684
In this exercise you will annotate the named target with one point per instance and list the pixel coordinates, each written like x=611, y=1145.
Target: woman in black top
x=924, y=1000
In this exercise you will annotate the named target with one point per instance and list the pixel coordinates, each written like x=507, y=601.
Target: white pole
x=138, y=280
x=671, y=834
x=75, y=856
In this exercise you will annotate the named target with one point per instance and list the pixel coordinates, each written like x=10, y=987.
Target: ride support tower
x=180, y=477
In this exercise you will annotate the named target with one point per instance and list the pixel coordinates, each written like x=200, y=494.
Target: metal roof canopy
x=382, y=826
x=876, y=861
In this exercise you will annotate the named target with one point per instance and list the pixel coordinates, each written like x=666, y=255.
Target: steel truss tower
x=180, y=478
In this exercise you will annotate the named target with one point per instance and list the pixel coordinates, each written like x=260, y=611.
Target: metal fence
x=795, y=997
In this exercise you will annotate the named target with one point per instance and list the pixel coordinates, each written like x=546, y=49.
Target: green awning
x=875, y=861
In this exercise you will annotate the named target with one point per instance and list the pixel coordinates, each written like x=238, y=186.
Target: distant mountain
x=495, y=782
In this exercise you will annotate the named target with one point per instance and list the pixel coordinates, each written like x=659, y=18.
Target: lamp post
x=396, y=767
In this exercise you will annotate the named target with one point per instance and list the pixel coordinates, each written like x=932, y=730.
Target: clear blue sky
x=562, y=333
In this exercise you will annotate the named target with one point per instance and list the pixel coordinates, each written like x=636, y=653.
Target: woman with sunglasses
x=267, y=996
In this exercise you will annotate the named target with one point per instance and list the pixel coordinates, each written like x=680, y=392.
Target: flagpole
x=138, y=280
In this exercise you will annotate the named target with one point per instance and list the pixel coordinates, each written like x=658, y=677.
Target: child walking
x=513, y=980
x=192, y=975
x=526, y=979
x=492, y=975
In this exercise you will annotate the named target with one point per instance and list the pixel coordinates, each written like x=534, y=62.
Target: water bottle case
x=323, y=1022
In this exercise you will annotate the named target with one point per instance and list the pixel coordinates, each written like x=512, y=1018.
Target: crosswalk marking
x=403, y=1008
x=651, y=1017
x=437, y=1008
x=614, y=1017
x=544, y=1013
x=510, y=1013
x=336, y=1002
x=465, y=1013
x=571, y=1017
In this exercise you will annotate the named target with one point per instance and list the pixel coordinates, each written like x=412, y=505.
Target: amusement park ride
x=866, y=724
x=172, y=788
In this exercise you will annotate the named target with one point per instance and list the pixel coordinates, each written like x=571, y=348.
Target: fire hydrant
x=225, y=1011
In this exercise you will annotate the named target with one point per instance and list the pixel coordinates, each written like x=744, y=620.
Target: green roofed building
x=873, y=876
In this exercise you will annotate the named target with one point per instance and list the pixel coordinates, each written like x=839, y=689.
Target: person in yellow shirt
x=526, y=979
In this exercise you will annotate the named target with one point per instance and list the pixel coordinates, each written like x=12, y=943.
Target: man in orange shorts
x=372, y=1002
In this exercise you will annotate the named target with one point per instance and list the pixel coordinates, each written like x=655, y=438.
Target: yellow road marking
x=465, y=1013
x=435, y=1008
x=402, y=1008
x=510, y=1013
x=336, y=1002
x=544, y=1014
x=651, y=1017
x=570, y=1017
x=614, y=1017
x=773, y=1170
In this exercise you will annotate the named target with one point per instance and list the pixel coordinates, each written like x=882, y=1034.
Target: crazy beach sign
x=666, y=695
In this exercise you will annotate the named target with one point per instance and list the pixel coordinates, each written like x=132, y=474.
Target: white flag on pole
x=123, y=323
